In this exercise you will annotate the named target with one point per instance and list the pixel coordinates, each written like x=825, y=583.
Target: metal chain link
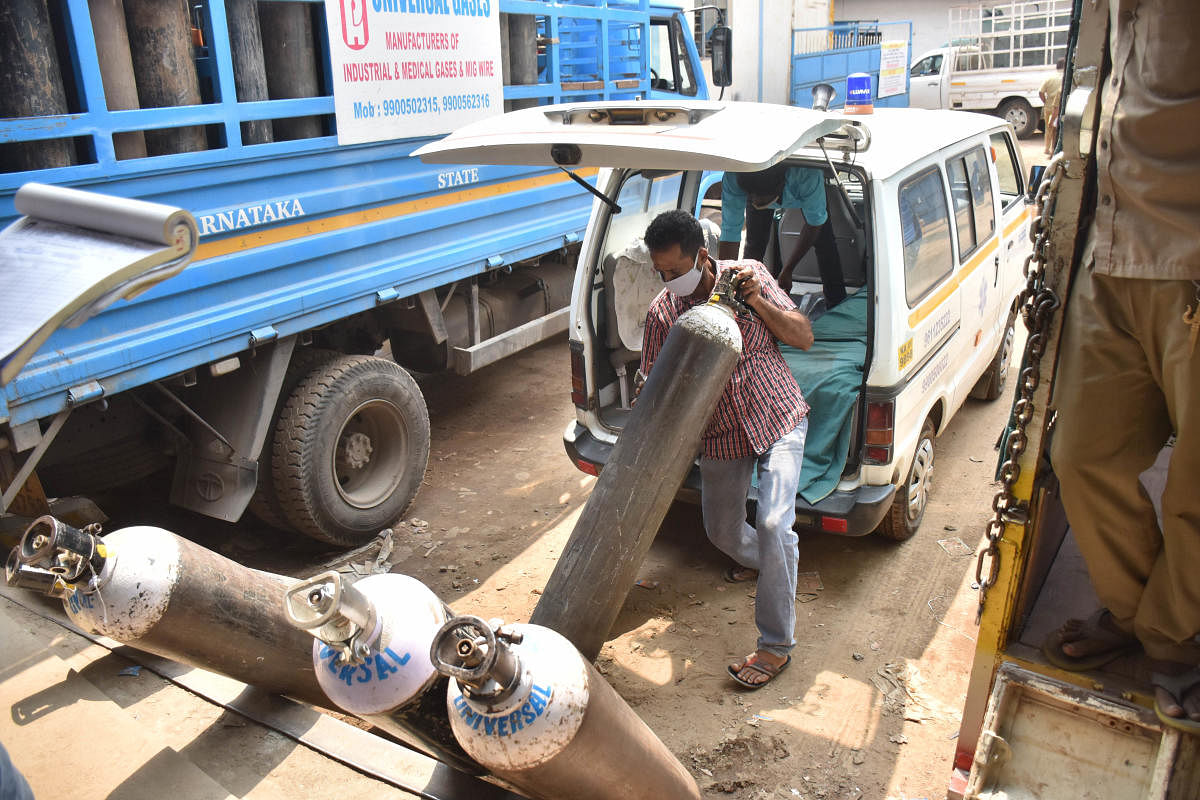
x=1038, y=304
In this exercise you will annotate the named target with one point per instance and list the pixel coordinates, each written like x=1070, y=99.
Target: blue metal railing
x=829, y=54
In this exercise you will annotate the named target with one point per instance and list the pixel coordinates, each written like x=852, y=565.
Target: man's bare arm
x=790, y=327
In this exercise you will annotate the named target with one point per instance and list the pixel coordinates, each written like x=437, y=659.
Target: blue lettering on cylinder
x=502, y=725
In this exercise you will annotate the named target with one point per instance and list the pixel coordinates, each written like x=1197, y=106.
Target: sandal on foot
x=760, y=666
x=1177, y=686
x=739, y=574
x=1114, y=644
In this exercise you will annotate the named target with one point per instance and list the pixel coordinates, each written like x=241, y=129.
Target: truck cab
x=930, y=219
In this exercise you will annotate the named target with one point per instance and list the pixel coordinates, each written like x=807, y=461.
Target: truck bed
x=343, y=245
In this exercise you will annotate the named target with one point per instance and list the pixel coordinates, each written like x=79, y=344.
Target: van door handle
x=1010, y=244
x=996, y=261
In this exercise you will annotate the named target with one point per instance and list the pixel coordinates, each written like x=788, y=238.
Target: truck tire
x=265, y=503
x=1023, y=117
x=350, y=449
x=908, y=509
x=991, y=383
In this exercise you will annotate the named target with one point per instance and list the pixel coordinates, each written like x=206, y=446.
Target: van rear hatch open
x=740, y=137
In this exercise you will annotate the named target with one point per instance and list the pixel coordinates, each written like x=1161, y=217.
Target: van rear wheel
x=991, y=383
x=908, y=509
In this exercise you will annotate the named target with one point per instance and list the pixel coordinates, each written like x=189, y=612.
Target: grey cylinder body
x=564, y=732
x=396, y=687
x=521, y=56
x=31, y=83
x=160, y=593
x=637, y=485
x=160, y=40
x=249, y=70
x=116, y=70
x=290, y=58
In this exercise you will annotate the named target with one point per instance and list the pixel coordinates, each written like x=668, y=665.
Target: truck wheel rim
x=370, y=454
x=1017, y=118
x=920, y=479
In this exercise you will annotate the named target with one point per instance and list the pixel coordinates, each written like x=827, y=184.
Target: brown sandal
x=760, y=666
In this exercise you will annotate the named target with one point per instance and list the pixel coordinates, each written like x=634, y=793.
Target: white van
x=931, y=222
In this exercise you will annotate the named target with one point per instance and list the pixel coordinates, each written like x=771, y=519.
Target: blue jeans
x=771, y=546
x=12, y=783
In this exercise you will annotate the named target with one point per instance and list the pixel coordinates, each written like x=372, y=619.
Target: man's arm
x=788, y=326
x=805, y=190
x=733, y=216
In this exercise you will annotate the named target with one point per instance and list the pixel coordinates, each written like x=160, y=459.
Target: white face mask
x=685, y=284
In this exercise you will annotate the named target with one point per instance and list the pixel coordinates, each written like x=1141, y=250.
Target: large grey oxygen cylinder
x=160, y=43
x=637, y=485
x=527, y=706
x=158, y=592
x=371, y=653
x=31, y=83
x=289, y=51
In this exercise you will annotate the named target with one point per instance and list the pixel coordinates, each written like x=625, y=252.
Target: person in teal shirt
x=752, y=198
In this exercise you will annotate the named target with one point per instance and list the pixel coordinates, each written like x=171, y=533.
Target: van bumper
x=856, y=512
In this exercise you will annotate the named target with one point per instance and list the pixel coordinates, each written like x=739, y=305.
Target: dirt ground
x=869, y=707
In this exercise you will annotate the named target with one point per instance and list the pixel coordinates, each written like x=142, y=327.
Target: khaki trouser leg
x=1126, y=380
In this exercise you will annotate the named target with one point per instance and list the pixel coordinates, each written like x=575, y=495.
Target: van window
x=981, y=193
x=925, y=227
x=971, y=188
x=641, y=199
x=1006, y=169
x=964, y=220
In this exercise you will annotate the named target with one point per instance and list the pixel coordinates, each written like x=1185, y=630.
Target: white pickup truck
x=955, y=78
x=995, y=60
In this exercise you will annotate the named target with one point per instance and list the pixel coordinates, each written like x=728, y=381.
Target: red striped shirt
x=762, y=401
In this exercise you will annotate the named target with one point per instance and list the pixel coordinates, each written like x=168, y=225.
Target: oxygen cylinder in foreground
x=158, y=592
x=528, y=707
x=371, y=654
x=648, y=464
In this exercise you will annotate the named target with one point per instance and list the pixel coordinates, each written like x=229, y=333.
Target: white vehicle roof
x=900, y=136
x=701, y=135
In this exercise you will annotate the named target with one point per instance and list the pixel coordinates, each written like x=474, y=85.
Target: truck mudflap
x=847, y=513
x=1045, y=738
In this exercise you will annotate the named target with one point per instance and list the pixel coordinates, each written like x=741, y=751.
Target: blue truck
x=273, y=372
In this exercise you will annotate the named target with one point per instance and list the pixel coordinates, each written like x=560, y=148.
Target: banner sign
x=893, y=68
x=408, y=68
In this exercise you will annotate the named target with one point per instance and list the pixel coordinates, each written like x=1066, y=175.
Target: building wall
x=930, y=18
x=762, y=44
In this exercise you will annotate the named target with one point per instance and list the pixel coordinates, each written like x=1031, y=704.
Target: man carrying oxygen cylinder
x=759, y=424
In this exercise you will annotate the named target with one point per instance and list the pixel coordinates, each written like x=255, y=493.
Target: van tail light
x=881, y=428
x=578, y=382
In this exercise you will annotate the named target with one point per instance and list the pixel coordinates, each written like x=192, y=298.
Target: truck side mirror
x=721, y=46
x=1035, y=179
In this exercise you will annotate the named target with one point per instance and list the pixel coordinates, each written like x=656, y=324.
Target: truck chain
x=1038, y=303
